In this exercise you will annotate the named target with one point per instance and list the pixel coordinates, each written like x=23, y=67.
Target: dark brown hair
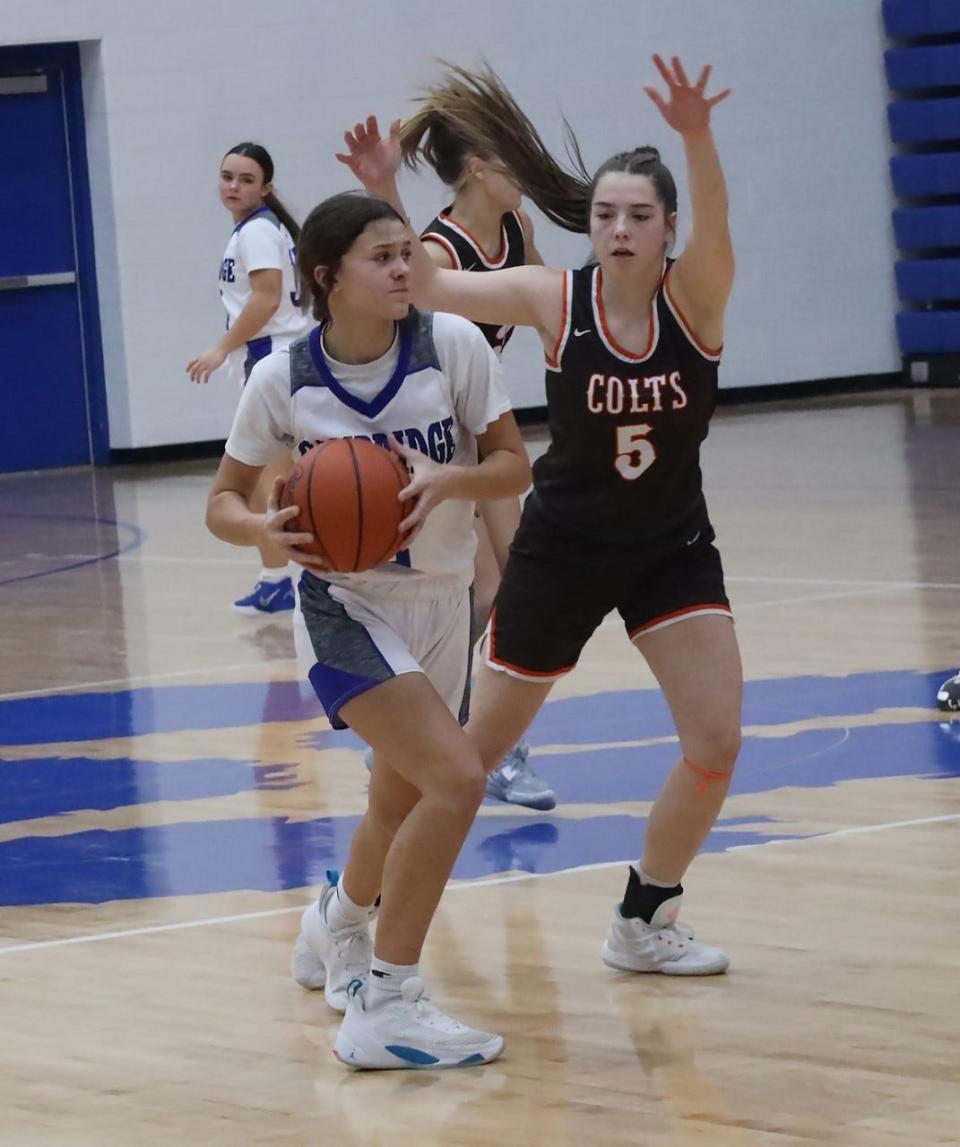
x=476, y=107
x=328, y=233
x=262, y=158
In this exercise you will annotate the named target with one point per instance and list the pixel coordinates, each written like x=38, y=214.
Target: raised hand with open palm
x=688, y=108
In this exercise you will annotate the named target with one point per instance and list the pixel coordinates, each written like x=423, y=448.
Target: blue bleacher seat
x=918, y=68
x=923, y=121
x=929, y=332
x=905, y=19
x=928, y=280
x=921, y=228
x=916, y=176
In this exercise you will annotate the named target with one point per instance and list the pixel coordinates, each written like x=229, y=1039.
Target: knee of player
x=716, y=745
x=460, y=782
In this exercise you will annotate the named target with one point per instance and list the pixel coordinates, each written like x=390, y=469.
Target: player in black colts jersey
x=483, y=229
x=617, y=519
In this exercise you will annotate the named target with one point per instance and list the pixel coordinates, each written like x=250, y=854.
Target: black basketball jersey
x=467, y=255
x=623, y=467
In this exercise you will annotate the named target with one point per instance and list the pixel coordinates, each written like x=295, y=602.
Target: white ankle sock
x=342, y=912
x=386, y=979
x=645, y=879
x=274, y=574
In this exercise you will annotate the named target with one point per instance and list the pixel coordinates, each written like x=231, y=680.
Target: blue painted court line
x=139, y=536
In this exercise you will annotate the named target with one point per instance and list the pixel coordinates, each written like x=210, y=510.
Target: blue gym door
x=52, y=411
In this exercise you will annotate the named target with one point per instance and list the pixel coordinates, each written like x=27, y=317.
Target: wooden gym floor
x=169, y=796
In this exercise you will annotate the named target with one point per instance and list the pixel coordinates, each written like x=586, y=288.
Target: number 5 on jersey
x=634, y=453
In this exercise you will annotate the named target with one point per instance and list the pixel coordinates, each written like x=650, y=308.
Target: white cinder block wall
x=169, y=86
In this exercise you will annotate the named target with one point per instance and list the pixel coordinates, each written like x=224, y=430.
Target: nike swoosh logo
x=694, y=538
x=577, y=334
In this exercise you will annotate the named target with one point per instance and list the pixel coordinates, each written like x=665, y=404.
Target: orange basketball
x=346, y=490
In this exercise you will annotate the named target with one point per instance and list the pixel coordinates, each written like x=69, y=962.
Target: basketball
x=346, y=490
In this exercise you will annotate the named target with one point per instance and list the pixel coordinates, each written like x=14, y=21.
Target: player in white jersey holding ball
x=259, y=289
x=387, y=650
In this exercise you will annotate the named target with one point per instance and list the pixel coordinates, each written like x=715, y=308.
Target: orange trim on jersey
x=652, y=327
x=508, y=666
x=680, y=615
x=553, y=359
x=492, y=261
x=707, y=352
x=434, y=237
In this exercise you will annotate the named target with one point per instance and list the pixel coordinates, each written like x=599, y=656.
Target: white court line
x=861, y=831
x=243, y=559
x=469, y=884
x=845, y=582
x=147, y=677
x=614, y=618
x=836, y=596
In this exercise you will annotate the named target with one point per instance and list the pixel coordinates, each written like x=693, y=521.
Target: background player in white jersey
x=483, y=229
x=259, y=289
x=388, y=649
x=617, y=517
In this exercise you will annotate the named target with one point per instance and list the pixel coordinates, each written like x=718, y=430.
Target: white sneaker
x=407, y=1031
x=663, y=945
x=326, y=959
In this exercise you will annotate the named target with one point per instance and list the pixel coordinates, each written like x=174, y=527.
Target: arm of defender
x=702, y=277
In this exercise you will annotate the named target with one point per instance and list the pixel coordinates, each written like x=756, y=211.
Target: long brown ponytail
x=476, y=109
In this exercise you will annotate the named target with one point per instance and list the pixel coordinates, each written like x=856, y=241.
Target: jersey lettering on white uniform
x=437, y=388
x=259, y=243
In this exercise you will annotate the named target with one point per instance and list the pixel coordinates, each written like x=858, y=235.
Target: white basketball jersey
x=258, y=243
x=437, y=388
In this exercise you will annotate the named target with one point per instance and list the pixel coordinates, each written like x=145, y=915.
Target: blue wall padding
x=929, y=332
x=919, y=228
x=920, y=121
x=923, y=67
x=927, y=280
x=905, y=19
x=915, y=176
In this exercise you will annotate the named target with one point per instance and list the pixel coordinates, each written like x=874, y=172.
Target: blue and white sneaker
x=381, y=1032
x=326, y=959
x=515, y=782
x=267, y=597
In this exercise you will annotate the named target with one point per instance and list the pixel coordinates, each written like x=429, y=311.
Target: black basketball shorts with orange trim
x=548, y=605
